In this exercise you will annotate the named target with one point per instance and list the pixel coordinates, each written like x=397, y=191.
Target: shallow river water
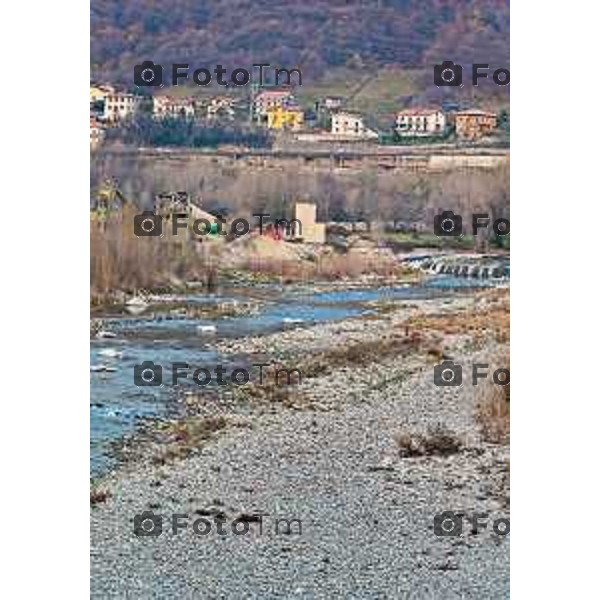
x=118, y=406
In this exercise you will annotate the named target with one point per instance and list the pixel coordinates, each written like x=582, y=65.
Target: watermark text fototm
x=149, y=373
x=448, y=374
x=450, y=224
x=150, y=524
x=149, y=74
x=450, y=523
x=149, y=224
x=450, y=74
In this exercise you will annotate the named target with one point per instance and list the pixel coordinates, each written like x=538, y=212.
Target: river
x=118, y=406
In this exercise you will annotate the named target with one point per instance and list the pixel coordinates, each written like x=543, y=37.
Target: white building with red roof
x=415, y=122
x=166, y=106
x=350, y=126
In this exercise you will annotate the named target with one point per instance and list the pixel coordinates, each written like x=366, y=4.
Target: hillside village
x=277, y=111
x=299, y=301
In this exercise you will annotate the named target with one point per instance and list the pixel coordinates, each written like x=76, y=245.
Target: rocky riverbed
x=359, y=456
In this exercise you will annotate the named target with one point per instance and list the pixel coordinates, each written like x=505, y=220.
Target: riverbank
x=333, y=453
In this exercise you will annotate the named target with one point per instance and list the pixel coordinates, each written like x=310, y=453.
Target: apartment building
x=332, y=102
x=221, y=106
x=120, y=106
x=99, y=92
x=421, y=122
x=474, y=124
x=350, y=126
x=289, y=117
x=271, y=99
x=168, y=107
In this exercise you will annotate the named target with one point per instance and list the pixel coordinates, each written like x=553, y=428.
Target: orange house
x=474, y=124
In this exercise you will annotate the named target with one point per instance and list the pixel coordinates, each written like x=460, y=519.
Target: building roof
x=411, y=112
x=474, y=113
x=200, y=213
x=105, y=87
x=173, y=101
x=124, y=95
x=223, y=99
x=347, y=115
x=290, y=107
x=274, y=93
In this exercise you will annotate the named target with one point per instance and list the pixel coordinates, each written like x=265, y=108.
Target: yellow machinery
x=109, y=199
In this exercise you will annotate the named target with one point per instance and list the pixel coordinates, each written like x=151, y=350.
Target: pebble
x=362, y=506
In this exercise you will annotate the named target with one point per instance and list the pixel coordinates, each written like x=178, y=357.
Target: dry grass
x=324, y=363
x=276, y=388
x=493, y=407
x=438, y=441
x=122, y=261
x=193, y=431
x=493, y=320
x=187, y=435
x=363, y=354
x=326, y=267
x=490, y=320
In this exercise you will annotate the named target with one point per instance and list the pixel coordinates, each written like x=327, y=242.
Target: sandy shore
x=328, y=456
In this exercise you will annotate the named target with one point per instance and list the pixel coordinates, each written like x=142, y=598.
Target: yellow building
x=310, y=231
x=99, y=92
x=285, y=117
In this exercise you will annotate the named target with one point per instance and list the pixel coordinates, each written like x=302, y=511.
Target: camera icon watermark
x=147, y=374
x=447, y=74
x=447, y=224
x=450, y=74
x=447, y=374
x=148, y=74
x=150, y=224
x=447, y=524
x=450, y=224
x=147, y=224
x=147, y=524
x=450, y=523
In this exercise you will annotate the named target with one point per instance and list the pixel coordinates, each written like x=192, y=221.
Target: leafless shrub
x=98, y=496
x=120, y=260
x=279, y=386
x=493, y=408
x=374, y=194
x=186, y=436
x=438, y=441
x=330, y=267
